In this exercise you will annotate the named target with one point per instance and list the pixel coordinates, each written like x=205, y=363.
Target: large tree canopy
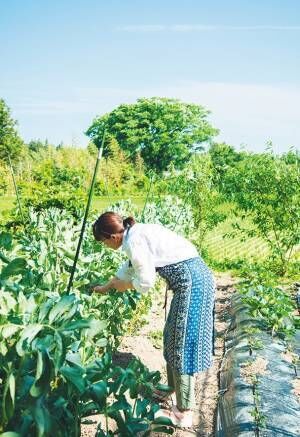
x=163, y=130
x=10, y=142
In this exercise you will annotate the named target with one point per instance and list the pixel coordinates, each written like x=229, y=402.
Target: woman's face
x=114, y=242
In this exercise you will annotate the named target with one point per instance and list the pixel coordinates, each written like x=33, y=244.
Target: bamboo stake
x=86, y=214
x=15, y=186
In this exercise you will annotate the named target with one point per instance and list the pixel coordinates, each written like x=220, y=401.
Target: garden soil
x=149, y=351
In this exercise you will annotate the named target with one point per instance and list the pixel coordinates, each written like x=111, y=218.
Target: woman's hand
x=121, y=285
x=114, y=283
x=99, y=289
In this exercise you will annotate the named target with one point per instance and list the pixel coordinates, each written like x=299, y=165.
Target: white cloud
x=142, y=28
x=201, y=28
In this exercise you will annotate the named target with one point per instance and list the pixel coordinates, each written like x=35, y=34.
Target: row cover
x=277, y=402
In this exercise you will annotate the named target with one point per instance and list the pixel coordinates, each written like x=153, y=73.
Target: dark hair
x=128, y=222
x=110, y=223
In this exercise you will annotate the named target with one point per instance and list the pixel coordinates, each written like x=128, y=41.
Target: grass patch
x=98, y=203
x=6, y=204
x=222, y=248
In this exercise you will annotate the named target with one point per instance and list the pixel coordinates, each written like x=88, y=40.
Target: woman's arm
x=115, y=283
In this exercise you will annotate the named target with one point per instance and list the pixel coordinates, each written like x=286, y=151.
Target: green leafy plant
x=43, y=347
x=195, y=187
x=50, y=378
x=266, y=189
x=273, y=306
x=254, y=342
x=259, y=417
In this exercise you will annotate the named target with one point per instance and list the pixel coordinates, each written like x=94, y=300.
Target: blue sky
x=64, y=62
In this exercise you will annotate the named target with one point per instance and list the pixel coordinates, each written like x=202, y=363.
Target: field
x=58, y=348
x=99, y=312
x=220, y=247
x=98, y=203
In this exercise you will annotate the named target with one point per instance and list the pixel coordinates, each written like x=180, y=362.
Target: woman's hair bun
x=128, y=222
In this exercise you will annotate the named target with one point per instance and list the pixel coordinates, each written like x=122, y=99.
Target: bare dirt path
x=146, y=346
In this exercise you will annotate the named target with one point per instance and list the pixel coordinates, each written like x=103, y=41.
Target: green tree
x=195, y=186
x=292, y=157
x=5, y=178
x=224, y=157
x=266, y=188
x=92, y=149
x=119, y=174
x=10, y=142
x=163, y=130
x=36, y=145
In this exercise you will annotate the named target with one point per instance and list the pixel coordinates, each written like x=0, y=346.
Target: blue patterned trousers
x=188, y=331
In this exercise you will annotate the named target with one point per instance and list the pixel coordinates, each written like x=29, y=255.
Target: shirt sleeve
x=143, y=265
x=125, y=273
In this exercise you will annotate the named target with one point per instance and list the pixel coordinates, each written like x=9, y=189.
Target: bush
x=266, y=189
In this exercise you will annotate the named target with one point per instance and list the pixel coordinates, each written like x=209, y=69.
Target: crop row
x=55, y=355
x=221, y=245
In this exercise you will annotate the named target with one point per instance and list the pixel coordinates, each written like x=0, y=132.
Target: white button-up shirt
x=149, y=246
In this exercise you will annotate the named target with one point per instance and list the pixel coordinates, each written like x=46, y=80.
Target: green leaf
x=78, y=284
x=7, y=401
x=96, y=326
x=99, y=393
x=44, y=309
x=60, y=351
x=162, y=421
x=15, y=267
x=5, y=240
x=7, y=303
x=102, y=342
x=74, y=358
x=164, y=429
x=29, y=333
x=9, y=330
x=78, y=324
x=141, y=406
x=26, y=305
x=12, y=387
x=10, y=434
x=75, y=376
x=44, y=375
x=4, y=258
x=41, y=418
x=133, y=388
x=164, y=387
x=3, y=349
x=62, y=307
x=115, y=385
x=136, y=426
x=121, y=404
x=35, y=391
x=122, y=428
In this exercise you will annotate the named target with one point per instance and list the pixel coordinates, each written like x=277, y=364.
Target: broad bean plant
x=55, y=348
